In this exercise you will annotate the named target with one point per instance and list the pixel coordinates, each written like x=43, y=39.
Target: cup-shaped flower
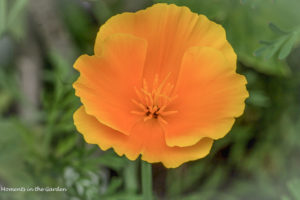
x=162, y=83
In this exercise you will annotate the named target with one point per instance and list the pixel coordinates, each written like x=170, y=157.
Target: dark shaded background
x=39, y=146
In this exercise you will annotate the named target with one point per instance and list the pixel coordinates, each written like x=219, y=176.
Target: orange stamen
x=153, y=101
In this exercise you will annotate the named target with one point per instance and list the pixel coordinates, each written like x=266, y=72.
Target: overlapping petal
x=145, y=139
x=169, y=30
x=107, y=80
x=210, y=95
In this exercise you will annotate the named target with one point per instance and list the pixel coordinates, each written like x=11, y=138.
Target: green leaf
x=285, y=198
x=3, y=8
x=259, y=51
x=277, y=30
x=5, y=100
x=109, y=159
x=66, y=145
x=115, y=183
x=293, y=187
x=265, y=42
x=102, y=11
x=258, y=98
x=17, y=8
x=275, y=47
x=287, y=47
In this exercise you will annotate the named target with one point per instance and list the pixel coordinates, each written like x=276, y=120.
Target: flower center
x=152, y=103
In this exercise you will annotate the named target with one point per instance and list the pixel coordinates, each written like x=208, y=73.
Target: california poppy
x=162, y=83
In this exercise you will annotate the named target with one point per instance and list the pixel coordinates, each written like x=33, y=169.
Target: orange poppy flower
x=162, y=83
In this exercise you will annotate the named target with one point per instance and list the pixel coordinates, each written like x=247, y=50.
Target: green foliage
x=246, y=22
x=282, y=45
x=293, y=187
x=3, y=8
x=9, y=18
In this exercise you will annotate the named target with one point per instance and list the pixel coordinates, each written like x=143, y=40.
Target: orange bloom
x=162, y=83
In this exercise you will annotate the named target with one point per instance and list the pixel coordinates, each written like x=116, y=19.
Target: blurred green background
x=39, y=145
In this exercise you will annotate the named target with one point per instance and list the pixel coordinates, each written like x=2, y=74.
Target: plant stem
x=147, y=180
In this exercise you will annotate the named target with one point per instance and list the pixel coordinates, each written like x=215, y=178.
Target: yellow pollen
x=153, y=102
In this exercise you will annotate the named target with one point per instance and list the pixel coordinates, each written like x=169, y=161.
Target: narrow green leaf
x=293, y=187
x=115, y=184
x=110, y=160
x=65, y=145
x=265, y=42
x=5, y=100
x=259, y=51
x=276, y=29
x=15, y=11
x=275, y=47
x=258, y=98
x=3, y=8
x=285, y=198
x=287, y=47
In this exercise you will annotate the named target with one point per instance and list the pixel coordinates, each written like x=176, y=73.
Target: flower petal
x=106, y=83
x=147, y=138
x=210, y=95
x=95, y=132
x=170, y=30
x=155, y=148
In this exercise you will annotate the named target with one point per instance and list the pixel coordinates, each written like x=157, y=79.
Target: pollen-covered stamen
x=153, y=102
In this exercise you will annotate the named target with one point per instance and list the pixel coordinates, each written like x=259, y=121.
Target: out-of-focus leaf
x=215, y=180
x=17, y=8
x=109, y=159
x=114, y=184
x=283, y=45
x=101, y=10
x=7, y=51
x=66, y=145
x=258, y=98
x=276, y=29
x=3, y=8
x=63, y=68
x=13, y=152
x=5, y=100
x=273, y=48
x=287, y=47
x=285, y=198
x=243, y=1
x=260, y=51
x=79, y=22
x=10, y=20
x=293, y=187
x=190, y=176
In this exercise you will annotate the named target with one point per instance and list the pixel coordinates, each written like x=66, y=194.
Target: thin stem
x=130, y=177
x=147, y=180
